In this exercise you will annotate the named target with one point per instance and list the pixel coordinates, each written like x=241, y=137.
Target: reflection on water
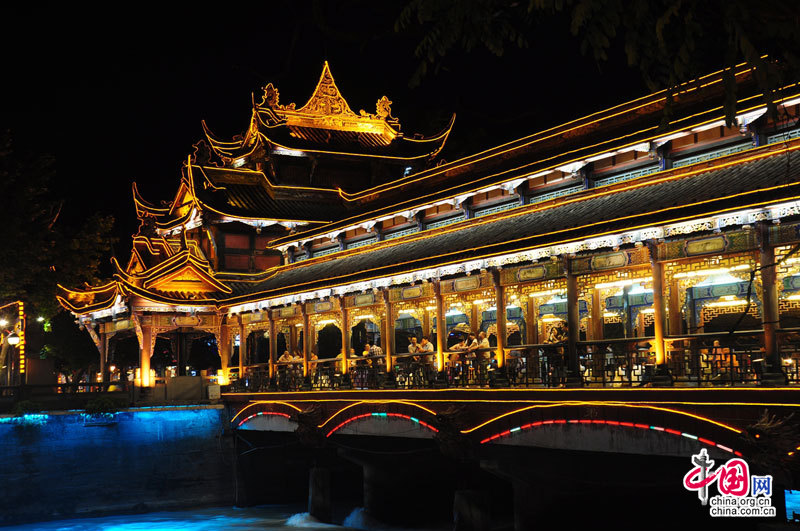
x=203, y=519
x=263, y=518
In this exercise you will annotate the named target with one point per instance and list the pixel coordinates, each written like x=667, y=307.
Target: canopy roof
x=326, y=125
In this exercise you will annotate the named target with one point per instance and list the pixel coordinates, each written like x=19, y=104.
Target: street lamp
x=12, y=339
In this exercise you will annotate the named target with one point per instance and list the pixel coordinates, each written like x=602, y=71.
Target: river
x=263, y=518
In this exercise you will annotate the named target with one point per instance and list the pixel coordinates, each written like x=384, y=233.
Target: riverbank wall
x=69, y=464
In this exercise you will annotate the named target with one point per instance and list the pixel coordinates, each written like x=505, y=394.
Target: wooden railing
x=713, y=359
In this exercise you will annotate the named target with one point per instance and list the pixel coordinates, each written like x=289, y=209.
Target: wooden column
x=388, y=348
x=769, y=303
x=626, y=311
x=597, y=316
x=659, y=311
x=345, y=336
x=441, y=326
x=306, y=339
x=242, y=346
x=674, y=303
x=532, y=335
x=224, y=348
x=103, y=348
x=500, y=305
x=473, y=318
x=573, y=324
x=145, y=351
x=273, y=345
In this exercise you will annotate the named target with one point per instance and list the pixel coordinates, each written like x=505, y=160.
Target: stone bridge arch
x=384, y=418
x=615, y=428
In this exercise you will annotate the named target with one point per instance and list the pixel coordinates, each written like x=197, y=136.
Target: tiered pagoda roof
x=325, y=128
x=279, y=177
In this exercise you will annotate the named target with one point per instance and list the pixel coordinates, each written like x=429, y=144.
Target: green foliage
x=104, y=405
x=463, y=23
x=23, y=407
x=41, y=251
x=668, y=41
x=70, y=347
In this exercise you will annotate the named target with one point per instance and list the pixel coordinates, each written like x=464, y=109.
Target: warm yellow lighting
x=609, y=314
x=3, y=322
x=622, y=283
x=112, y=368
x=795, y=297
x=430, y=308
x=648, y=310
x=547, y=293
x=40, y=319
x=12, y=339
x=709, y=272
x=326, y=322
x=365, y=316
x=728, y=300
x=550, y=318
x=298, y=325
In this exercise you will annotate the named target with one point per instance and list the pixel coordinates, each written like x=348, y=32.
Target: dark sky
x=118, y=93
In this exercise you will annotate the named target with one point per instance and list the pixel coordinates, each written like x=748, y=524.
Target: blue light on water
x=263, y=518
x=793, y=505
x=29, y=419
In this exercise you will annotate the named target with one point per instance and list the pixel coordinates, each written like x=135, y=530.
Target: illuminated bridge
x=438, y=450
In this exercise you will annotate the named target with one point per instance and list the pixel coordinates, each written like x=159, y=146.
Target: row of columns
x=767, y=273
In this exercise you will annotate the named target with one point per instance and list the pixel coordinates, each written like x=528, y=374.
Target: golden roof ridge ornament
x=327, y=100
x=327, y=109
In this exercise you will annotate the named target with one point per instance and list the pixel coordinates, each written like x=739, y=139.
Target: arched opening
x=406, y=327
x=257, y=347
x=329, y=341
x=281, y=342
x=363, y=332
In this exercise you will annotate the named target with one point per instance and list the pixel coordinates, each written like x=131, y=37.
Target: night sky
x=118, y=95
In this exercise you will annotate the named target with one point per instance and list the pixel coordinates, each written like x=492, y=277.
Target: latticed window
x=323, y=252
x=626, y=176
x=361, y=243
x=443, y=222
x=494, y=209
x=553, y=195
x=783, y=136
x=712, y=154
x=401, y=233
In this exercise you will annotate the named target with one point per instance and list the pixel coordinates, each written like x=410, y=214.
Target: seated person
x=285, y=357
x=375, y=350
x=483, y=341
x=471, y=346
x=426, y=347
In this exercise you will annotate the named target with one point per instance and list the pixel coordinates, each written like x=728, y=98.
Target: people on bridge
x=413, y=347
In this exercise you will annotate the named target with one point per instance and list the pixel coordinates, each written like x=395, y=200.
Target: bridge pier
x=267, y=470
x=320, y=499
x=404, y=489
x=472, y=510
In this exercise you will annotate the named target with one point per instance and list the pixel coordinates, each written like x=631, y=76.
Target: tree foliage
x=70, y=348
x=668, y=41
x=40, y=249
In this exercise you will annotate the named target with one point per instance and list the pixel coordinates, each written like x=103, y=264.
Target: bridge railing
x=693, y=360
x=717, y=358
